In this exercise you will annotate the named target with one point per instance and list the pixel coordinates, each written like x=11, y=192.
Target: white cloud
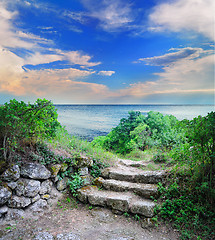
x=171, y=58
x=113, y=15
x=179, y=15
x=183, y=76
x=106, y=73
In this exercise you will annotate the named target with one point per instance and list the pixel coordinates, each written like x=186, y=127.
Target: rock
x=3, y=211
x=18, y=202
x=12, y=185
x=83, y=162
x=147, y=223
x=98, y=182
x=83, y=171
x=62, y=184
x=35, y=171
x=68, y=236
x=5, y=194
x=27, y=187
x=64, y=167
x=88, y=179
x=43, y=236
x=55, y=170
x=11, y=174
x=38, y=206
x=13, y=214
x=45, y=196
x=143, y=207
x=46, y=187
x=35, y=199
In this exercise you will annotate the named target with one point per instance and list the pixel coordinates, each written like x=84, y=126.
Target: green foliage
x=96, y=168
x=75, y=183
x=25, y=124
x=187, y=209
x=140, y=132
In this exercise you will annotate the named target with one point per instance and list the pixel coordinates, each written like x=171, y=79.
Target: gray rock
x=119, y=203
x=147, y=223
x=62, y=184
x=64, y=167
x=11, y=174
x=55, y=170
x=83, y=171
x=14, y=214
x=46, y=187
x=68, y=236
x=27, y=187
x=38, y=206
x=43, y=236
x=5, y=194
x=84, y=162
x=143, y=207
x=12, y=185
x=88, y=179
x=18, y=202
x=35, y=171
x=35, y=199
x=3, y=210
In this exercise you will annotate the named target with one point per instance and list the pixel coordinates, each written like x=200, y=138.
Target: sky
x=107, y=51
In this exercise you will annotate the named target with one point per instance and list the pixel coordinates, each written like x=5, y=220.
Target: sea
x=89, y=121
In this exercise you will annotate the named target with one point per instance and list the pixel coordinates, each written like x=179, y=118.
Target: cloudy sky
x=107, y=51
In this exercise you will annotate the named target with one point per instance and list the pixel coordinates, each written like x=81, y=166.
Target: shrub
x=25, y=124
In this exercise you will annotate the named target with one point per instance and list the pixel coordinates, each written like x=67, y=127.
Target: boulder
x=5, y=194
x=35, y=171
x=19, y=202
x=46, y=187
x=27, y=187
x=11, y=174
x=38, y=206
x=62, y=184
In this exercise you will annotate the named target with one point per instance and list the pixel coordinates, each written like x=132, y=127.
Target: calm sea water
x=89, y=121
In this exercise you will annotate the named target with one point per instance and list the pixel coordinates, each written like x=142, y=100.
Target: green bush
x=24, y=124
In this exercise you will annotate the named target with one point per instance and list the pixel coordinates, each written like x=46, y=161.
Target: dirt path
x=89, y=223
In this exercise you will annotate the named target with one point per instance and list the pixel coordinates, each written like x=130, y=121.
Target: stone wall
x=32, y=187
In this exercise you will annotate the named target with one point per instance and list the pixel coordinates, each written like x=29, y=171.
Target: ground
x=90, y=223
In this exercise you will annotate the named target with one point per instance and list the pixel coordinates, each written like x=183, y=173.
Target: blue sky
x=107, y=51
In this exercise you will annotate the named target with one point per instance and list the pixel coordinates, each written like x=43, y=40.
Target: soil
x=90, y=223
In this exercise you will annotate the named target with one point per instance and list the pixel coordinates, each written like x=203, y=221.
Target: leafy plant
x=24, y=124
x=75, y=183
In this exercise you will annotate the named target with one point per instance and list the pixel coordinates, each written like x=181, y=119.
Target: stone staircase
x=124, y=188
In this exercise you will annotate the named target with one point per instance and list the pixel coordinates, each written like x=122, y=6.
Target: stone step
x=141, y=189
x=120, y=201
x=130, y=174
x=131, y=163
